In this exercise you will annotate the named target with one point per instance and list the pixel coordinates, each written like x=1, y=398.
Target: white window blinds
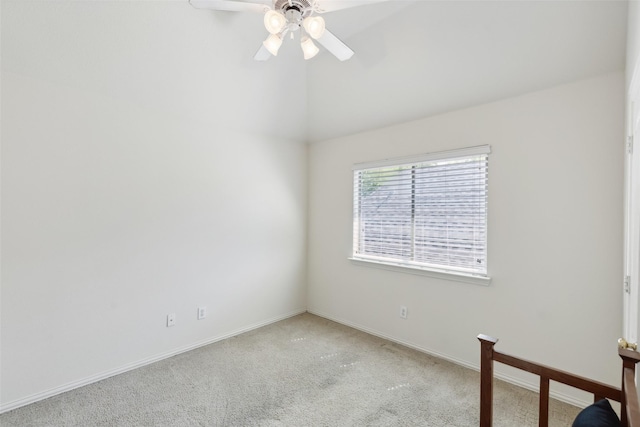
x=427, y=212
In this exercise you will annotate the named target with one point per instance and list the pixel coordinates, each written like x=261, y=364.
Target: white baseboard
x=138, y=364
x=563, y=397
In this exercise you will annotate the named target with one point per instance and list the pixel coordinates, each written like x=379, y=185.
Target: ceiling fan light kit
x=289, y=16
x=274, y=21
x=308, y=48
x=273, y=43
x=314, y=26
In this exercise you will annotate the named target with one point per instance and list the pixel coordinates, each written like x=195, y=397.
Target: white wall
x=145, y=171
x=555, y=232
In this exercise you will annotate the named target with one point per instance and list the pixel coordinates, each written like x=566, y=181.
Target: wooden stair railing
x=627, y=395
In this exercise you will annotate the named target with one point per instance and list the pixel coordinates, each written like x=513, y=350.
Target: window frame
x=407, y=266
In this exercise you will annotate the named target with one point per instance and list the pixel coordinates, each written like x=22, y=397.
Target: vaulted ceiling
x=413, y=59
x=430, y=57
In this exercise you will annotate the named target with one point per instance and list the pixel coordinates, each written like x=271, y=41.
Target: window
x=427, y=212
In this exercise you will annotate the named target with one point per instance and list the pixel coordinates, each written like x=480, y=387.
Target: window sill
x=457, y=277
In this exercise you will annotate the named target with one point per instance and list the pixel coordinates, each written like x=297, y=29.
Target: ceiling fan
x=286, y=17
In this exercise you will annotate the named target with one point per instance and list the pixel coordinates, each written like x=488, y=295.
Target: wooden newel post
x=630, y=405
x=486, y=379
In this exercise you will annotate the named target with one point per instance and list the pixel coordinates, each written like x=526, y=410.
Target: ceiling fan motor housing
x=294, y=9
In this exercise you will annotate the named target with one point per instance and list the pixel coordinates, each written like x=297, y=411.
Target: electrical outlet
x=403, y=312
x=202, y=313
x=171, y=319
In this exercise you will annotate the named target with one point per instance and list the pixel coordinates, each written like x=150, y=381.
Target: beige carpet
x=303, y=371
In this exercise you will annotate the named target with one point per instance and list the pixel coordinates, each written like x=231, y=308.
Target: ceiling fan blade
x=333, y=5
x=231, y=5
x=335, y=46
x=262, y=54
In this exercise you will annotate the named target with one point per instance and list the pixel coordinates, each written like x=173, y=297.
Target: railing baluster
x=543, y=412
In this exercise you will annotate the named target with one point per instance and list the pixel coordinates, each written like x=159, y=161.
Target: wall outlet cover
x=403, y=312
x=171, y=319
